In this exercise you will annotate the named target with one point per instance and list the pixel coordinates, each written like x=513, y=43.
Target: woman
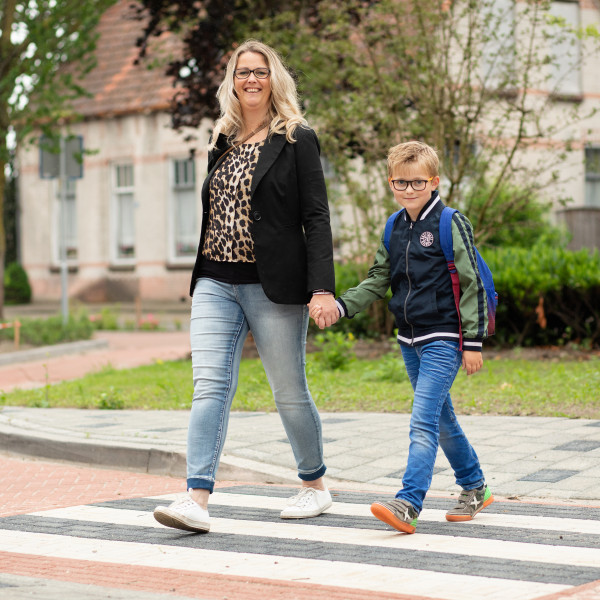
x=265, y=251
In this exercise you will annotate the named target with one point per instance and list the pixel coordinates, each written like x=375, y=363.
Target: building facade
x=132, y=222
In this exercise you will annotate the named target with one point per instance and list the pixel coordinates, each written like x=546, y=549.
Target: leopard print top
x=228, y=236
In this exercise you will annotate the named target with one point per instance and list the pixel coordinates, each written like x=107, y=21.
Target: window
x=565, y=77
x=592, y=176
x=69, y=223
x=185, y=233
x=124, y=213
x=498, y=51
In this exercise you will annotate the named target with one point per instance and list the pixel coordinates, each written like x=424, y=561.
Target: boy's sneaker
x=308, y=502
x=398, y=513
x=183, y=514
x=470, y=502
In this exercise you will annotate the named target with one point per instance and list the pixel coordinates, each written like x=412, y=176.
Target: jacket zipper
x=412, y=331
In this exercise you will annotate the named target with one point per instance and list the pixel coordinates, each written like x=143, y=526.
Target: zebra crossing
x=516, y=550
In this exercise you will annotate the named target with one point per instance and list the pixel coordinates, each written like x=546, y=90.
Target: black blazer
x=290, y=218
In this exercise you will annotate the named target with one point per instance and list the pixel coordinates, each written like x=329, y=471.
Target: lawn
x=505, y=386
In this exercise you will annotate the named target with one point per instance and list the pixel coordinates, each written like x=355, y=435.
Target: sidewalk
x=550, y=458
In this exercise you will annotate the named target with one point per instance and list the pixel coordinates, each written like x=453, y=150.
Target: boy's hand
x=472, y=361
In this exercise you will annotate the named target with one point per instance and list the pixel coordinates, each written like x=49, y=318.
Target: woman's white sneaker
x=308, y=502
x=183, y=514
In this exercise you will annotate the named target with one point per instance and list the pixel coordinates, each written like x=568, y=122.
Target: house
x=132, y=222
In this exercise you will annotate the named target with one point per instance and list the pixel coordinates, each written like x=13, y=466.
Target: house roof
x=118, y=85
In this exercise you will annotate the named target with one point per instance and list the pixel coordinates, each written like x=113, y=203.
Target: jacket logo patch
x=426, y=239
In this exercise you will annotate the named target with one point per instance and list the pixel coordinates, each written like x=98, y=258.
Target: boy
x=428, y=332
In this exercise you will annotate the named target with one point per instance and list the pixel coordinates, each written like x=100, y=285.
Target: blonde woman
x=265, y=252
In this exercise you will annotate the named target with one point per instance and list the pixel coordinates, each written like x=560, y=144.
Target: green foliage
x=106, y=320
x=16, y=285
x=110, y=400
x=45, y=332
x=390, y=367
x=336, y=349
x=517, y=218
x=547, y=294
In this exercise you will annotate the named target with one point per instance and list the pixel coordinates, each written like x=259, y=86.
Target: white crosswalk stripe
x=510, y=550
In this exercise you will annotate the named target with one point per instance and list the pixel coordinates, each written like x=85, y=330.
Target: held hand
x=323, y=310
x=471, y=361
x=322, y=322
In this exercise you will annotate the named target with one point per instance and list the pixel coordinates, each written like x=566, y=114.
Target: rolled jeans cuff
x=197, y=483
x=313, y=476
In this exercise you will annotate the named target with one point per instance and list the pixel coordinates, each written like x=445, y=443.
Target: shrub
x=45, y=332
x=336, y=349
x=547, y=294
x=106, y=320
x=16, y=285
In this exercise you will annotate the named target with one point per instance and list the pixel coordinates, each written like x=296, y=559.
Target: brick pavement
x=125, y=350
x=31, y=485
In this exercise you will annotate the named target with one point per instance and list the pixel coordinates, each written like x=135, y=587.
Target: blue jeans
x=222, y=315
x=432, y=369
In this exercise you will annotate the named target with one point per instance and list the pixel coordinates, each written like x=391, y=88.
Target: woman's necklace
x=255, y=131
x=238, y=144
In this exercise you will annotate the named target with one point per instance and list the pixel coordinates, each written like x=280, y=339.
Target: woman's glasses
x=417, y=184
x=260, y=73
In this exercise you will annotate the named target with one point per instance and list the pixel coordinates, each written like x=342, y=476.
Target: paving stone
x=346, y=461
x=579, y=462
x=579, y=446
x=549, y=475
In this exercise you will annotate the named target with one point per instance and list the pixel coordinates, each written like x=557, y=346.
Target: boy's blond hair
x=410, y=153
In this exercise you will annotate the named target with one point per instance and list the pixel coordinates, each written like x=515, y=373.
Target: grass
x=505, y=386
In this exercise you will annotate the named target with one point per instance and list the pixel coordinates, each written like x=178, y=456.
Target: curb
x=151, y=460
x=11, y=358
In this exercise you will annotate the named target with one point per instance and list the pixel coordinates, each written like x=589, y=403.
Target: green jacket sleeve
x=373, y=287
x=473, y=302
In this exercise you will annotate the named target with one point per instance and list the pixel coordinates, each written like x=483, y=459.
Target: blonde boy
x=428, y=332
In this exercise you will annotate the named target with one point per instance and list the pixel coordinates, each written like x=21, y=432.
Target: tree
x=210, y=30
x=46, y=47
x=481, y=80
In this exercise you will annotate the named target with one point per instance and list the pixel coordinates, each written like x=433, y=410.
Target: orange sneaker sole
x=455, y=518
x=387, y=516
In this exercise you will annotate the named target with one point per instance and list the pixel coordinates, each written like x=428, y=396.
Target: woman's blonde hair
x=284, y=112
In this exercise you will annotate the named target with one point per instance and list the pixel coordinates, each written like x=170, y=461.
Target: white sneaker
x=183, y=514
x=308, y=502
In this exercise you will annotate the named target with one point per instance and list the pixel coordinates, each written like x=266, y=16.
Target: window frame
x=174, y=187
x=591, y=176
x=116, y=192
x=554, y=76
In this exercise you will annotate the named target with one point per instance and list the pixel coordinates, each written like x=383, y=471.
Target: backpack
x=448, y=249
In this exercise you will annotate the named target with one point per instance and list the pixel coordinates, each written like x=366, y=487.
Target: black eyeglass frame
x=408, y=182
x=253, y=71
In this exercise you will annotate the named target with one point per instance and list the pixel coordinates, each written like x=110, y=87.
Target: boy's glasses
x=260, y=73
x=417, y=184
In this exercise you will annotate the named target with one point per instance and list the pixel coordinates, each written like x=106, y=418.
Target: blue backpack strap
x=446, y=234
x=448, y=250
x=388, y=229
